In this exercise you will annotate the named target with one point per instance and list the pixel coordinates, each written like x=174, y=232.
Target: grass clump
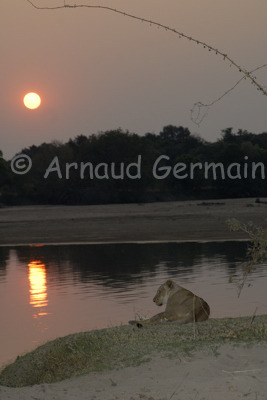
x=124, y=346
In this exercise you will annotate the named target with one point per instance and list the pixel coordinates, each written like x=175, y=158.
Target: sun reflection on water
x=38, y=287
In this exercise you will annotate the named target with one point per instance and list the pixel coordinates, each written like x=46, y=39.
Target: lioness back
x=184, y=299
x=180, y=301
x=182, y=306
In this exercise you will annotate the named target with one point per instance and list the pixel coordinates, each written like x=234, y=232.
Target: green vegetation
x=63, y=181
x=118, y=347
x=257, y=249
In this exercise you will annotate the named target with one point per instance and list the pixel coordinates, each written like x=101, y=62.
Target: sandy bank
x=224, y=372
x=172, y=221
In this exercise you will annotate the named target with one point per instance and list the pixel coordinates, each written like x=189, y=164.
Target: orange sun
x=32, y=100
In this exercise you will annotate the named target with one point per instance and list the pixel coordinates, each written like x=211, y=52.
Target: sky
x=96, y=70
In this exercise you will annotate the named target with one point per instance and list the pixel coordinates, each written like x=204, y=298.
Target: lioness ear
x=169, y=283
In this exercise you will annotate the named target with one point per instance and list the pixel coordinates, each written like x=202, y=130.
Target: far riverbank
x=152, y=222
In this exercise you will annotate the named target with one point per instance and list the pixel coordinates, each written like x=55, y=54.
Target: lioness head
x=164, y=292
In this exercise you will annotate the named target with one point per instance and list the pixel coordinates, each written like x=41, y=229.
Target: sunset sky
x=96, y=70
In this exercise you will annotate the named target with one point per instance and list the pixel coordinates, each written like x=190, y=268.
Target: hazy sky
x=96, y=70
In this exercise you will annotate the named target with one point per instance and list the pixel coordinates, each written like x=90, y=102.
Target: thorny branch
x=198, y=119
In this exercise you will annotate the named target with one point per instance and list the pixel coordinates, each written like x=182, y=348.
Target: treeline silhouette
x=121, y=167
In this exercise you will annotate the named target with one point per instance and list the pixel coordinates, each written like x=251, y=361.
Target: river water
x=52, y=291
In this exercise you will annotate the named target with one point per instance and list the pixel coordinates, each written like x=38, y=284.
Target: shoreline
x=122, y=242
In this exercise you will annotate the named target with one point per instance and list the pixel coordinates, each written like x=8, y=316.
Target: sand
x=170, y=221
x=228, y=373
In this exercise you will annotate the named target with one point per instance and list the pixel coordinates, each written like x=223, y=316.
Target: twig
x=242, y=372
x=194, y=316
x=253, y=317
x=177, y=387
x=199, y=105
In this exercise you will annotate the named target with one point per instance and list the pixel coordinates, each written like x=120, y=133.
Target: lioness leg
x=163, y=317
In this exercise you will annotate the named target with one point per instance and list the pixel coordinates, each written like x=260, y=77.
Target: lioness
x=182, y=306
